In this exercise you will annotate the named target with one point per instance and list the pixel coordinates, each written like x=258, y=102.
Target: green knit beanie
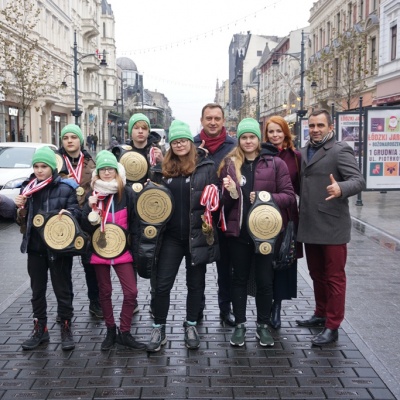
x=45, y=155
x=135, y=118
x=179, y=130
x=248, y=125
x=72, y=128
x=106, y=159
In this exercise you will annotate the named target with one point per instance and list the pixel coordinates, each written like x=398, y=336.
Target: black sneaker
x=40, y=334
x=95, y=309
x=127, y=340
x=192, y=339
x=157, y=339
x=67, y=339
x=110, y=339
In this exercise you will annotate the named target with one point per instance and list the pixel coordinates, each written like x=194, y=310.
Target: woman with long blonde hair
x=249, y=168
x=186, y=172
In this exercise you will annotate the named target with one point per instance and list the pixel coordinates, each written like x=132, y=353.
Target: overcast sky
x=181, y=47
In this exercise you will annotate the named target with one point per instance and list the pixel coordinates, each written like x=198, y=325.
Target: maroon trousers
x=326, y=264
x=127, y=280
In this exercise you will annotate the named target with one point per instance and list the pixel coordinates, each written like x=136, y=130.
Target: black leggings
x=242, y=255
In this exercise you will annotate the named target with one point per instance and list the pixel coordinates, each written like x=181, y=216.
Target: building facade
x=91, y=24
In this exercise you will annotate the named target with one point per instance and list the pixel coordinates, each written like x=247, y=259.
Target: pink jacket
x=119, y=218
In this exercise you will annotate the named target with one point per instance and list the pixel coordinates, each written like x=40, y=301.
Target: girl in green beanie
x=186, y=172
x=110, y=208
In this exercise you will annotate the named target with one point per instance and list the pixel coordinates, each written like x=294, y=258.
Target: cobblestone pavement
x=363, y=364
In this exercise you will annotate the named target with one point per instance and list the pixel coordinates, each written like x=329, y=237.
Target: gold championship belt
x=264, y=222
x=154, y=206
x=111, y=243
x=61, y=233
x=136, y=166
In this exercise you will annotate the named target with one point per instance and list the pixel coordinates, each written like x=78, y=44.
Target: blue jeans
x=241, y=257
x=170, y=257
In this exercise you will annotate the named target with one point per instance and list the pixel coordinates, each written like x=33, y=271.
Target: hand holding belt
x=264, y=222
x=61, y=233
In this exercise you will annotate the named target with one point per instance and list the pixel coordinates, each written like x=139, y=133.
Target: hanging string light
x=201, y=36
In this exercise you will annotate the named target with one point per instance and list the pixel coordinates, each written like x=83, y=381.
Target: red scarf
x=213, y=143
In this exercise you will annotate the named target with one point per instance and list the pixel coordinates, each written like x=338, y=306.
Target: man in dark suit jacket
x=329, y=175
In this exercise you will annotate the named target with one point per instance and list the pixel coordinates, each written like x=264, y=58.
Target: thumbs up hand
x=229, y=184
x=333, y=189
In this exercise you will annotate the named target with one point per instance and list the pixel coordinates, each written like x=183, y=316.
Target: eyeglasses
x=107, y=169
x=181, y=142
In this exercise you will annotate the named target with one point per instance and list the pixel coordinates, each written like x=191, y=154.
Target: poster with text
x=305, y=132
x=382, y=150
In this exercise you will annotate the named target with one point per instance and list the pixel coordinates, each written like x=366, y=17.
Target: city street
x=363, y=364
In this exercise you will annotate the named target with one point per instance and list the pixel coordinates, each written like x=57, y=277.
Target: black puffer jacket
x=55, y=196
x=203, y=175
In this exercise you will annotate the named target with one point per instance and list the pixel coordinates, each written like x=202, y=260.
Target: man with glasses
x=215, y=139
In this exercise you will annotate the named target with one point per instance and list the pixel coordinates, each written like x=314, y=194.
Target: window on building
x=361, y=13
x=259, y=53
x=105, y=90
x=374, y=5
x=349, y=15
x=104, y=29
x=393, y=42
x=373, y=54
x=336, y=72
x=328, y=32
x=338, y=24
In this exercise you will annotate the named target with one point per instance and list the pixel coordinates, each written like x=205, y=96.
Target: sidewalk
x=363, y=364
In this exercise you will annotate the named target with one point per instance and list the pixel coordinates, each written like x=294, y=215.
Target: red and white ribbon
x=152, y=156
x=76, y=173
x=222, y=221
x=209, y=199
x=103, y=208
x=34, y=186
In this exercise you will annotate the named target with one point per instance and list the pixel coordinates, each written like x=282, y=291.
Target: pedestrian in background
x=95, y=139
x=78, y=165
x=248, y=168
x=45, y=191
x=329, y=176
x=214, y=138
x=277, y=132
x=115, y=201
x=185, y=171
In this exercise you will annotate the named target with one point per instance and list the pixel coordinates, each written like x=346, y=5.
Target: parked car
x=16, y=165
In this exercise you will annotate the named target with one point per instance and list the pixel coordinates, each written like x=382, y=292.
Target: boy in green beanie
x=46, y=190
x=79, y=165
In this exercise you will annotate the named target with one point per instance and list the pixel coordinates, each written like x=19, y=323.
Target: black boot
x=127, y=340
x=110, y=339
x=67, y=339
x=40, y=334
x=95, y=309
x=276, y=315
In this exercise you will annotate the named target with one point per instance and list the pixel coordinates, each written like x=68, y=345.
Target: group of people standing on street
x=91, y=142
x=213, y=180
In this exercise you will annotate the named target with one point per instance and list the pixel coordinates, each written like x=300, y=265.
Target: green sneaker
x=264, y=335
x=238, y=335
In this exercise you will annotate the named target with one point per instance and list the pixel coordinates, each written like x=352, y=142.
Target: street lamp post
x=301, y=112
x=76, y=112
